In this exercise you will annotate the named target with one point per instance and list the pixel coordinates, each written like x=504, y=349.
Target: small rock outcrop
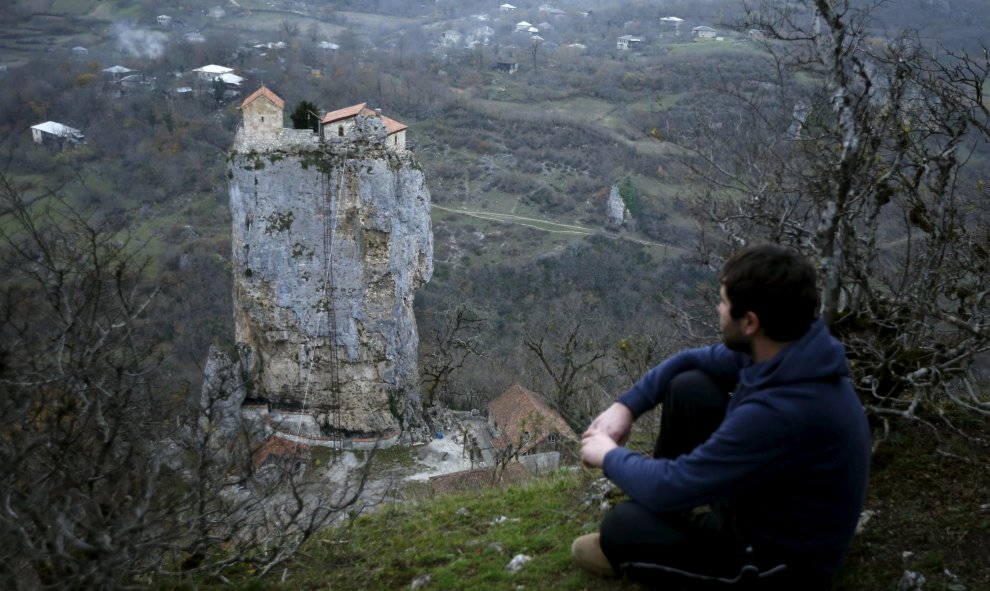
x=331, y=238
x=618, y=213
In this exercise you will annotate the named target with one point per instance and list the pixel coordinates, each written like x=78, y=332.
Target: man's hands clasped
x=608, y=431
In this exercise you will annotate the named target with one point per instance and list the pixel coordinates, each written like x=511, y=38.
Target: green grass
x=71, y=7
x=927, y=495
x=459, y=542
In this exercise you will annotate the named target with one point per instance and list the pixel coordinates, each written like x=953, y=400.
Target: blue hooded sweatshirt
x=792, y=454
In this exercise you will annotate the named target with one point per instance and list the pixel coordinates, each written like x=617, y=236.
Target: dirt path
x=558, y=228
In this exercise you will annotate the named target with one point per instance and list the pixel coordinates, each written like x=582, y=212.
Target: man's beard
x=738, y=342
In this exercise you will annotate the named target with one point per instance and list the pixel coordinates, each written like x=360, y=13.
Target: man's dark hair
x=776, y=284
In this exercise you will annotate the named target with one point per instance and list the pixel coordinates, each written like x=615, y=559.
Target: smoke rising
x=140, y=42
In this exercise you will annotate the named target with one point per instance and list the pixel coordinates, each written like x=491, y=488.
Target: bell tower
x=263, y=112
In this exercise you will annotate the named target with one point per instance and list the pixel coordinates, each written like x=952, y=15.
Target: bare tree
x=572, y=360
x=453, y=341
x=854, y=150
x=109, y=475
x=534, y=51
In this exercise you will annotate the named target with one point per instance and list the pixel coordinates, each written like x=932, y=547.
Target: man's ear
x=751, y=323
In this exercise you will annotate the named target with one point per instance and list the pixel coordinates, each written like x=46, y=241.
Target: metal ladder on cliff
x=328, y=291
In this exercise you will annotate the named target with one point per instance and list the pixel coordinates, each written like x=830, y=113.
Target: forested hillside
x=858, y=137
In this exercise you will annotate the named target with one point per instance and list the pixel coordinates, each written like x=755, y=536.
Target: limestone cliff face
x=331, y=239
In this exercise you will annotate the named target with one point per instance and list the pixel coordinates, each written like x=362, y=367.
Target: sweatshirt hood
x=815, y=356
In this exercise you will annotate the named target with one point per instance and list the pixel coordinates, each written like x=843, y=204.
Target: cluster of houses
x=119, y=80
x=475, y=31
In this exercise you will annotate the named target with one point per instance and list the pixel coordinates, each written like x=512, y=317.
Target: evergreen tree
x=304, y=116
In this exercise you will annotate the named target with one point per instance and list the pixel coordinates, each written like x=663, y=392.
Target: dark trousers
x=692, y=549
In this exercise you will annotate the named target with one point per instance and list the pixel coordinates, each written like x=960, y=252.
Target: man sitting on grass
x=760, y=469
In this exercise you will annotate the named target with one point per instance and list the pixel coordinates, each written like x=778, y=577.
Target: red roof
x=347, y=113
x=391, y=125
x=263, y=91
x=519, y=411
x=279, y=448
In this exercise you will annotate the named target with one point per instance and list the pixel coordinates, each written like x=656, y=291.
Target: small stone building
x=263, y=112
x=339, y=123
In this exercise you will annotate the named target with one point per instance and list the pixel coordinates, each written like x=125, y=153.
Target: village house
x=212, y=72
x=270, y=45
x=627, y=42
x=703, y=32
x=507, y=67
x=164, y=20
x=507, y=8
x=523, y=26
x=674, y=22
x=232, y=81
x=482, y=35
x=450, y=38
x=522, y=419
x=121, y=80
x=117, y=72
x=56, y=136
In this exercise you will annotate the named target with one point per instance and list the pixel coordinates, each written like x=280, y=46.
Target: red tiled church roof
x=264, y=92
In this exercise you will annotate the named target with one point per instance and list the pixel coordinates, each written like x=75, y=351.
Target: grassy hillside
x=928, y=501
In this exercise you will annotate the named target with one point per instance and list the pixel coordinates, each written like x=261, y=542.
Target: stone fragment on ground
x=517, y=562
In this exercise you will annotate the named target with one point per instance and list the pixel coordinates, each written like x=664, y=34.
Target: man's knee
x=698, y=389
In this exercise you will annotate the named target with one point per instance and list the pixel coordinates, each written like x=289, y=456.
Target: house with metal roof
x=704, y=32
x=212, y=71
x=56, y=135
